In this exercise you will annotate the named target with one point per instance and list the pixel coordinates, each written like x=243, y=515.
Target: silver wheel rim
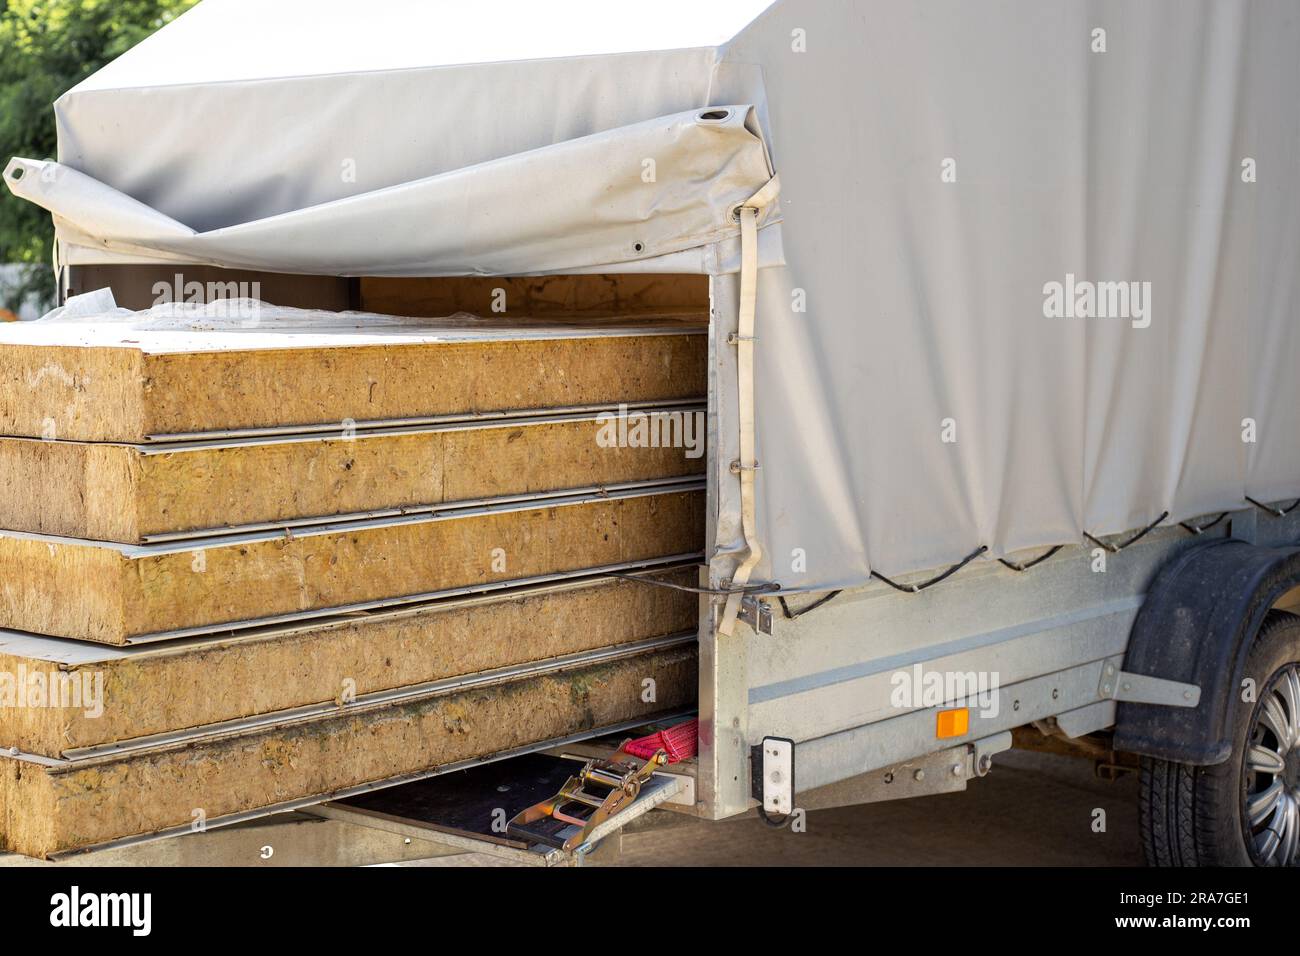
x=1272, y=773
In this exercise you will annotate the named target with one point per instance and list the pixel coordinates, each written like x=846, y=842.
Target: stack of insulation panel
x=256, y=568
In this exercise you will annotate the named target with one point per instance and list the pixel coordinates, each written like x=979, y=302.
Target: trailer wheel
x=1245, y=811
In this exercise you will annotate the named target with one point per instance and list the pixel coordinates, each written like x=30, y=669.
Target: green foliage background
x=46, y=48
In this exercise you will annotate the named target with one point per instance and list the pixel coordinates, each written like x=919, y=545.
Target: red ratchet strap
x=680, y=743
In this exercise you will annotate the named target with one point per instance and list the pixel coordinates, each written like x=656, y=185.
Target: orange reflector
x=953, y=723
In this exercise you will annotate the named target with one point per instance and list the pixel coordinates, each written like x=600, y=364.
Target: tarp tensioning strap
x=747, y=464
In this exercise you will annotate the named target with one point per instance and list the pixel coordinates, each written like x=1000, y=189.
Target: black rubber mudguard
x=1197, y=625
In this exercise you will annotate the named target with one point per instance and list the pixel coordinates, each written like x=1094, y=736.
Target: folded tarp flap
x=636, y=192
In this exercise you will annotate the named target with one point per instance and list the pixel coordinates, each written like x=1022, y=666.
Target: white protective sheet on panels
x=942, y=163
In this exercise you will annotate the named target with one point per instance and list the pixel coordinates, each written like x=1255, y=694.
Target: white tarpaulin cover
x=1039, y=258
x=576, y=204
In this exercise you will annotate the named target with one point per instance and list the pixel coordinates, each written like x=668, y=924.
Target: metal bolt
x=1187, y=695
x=919, y=776
x=1127, y=686
x=956, y=770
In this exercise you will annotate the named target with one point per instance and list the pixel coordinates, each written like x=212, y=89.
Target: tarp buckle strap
x=743, y=339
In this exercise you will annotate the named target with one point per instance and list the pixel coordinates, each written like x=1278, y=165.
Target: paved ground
x=1034, y=810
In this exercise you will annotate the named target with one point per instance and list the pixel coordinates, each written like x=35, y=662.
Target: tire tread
x=1182, y=808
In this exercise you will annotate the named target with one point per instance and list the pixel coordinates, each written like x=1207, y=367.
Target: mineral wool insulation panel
x=110, y=382
x=111, y=593
x=127, y=493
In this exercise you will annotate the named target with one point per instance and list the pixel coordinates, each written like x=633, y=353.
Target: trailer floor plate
x=470, y=809
x=474, y=803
